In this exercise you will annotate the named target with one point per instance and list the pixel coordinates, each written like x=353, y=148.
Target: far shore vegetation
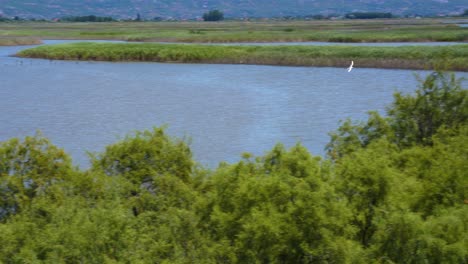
x=17, y=41
x=453, y=57
x=345, y=30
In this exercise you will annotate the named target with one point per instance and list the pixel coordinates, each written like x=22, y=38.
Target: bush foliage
x=392, y=190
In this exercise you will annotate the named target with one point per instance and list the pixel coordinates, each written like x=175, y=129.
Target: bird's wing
x=350, y=66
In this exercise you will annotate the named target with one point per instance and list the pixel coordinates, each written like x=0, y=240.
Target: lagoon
x=224, y=110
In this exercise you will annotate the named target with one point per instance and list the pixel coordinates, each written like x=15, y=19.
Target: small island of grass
x=454, y=57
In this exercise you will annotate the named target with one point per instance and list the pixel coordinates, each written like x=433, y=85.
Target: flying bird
x=351, y=66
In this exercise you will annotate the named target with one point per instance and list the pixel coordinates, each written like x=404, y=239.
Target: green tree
x=441, y=171
x=407, y=238
x=213, y=15
x=439, y=102
x=364, y=177
x=278, y=209
x=350, y=136
x=156, y=174
x=56, y=214
x=71, y=230
x=144, y=155
x=27, y=169
x=153, y=165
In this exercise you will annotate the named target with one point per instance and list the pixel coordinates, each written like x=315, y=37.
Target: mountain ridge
x=192, y=9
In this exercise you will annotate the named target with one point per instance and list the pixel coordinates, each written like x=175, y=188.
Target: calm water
x=225, y=109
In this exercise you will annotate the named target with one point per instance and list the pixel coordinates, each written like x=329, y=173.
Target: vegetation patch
x=17, y=41
x=356, y=30
x=453, y=57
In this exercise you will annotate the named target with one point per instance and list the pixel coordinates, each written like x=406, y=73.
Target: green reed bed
x=409, y=57
x=280, y=31
x=11, y=41
x=300, y=35
x=286, y=34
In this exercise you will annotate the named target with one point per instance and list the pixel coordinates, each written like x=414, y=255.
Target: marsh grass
x=393, y=30
x=17, y=41
x=454, y=57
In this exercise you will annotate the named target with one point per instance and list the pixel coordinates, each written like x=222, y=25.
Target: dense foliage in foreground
x=414, y=57
x=393, y=190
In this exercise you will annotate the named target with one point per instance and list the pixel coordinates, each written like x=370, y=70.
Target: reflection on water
x=224, y=109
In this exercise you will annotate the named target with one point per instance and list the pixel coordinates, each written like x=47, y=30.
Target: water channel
x=225, y=110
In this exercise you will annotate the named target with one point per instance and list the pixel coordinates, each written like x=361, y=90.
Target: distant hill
x=189, y=9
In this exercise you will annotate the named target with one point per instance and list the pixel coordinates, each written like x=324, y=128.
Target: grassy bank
x=391, y=30
x=16, y=41
x=408, y=57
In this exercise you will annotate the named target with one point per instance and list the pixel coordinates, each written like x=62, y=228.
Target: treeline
x=213, y=15
x=7, y=19
x=392, y=190
x=368, y=15
x=90, y=18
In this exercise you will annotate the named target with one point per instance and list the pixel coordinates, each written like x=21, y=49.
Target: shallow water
x=225, y=109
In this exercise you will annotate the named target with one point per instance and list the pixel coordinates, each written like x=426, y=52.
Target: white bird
x=351, y=66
